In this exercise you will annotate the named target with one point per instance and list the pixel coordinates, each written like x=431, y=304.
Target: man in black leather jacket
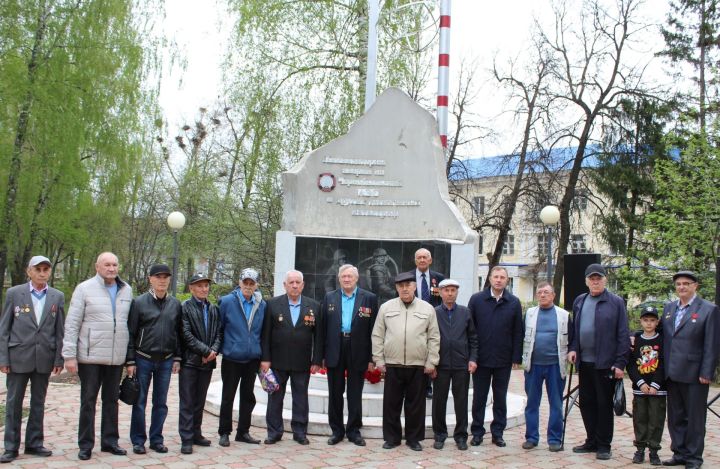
x=201, y=338
x=155, y=328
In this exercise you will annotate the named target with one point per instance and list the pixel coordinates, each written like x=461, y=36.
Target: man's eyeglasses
x=684, y=284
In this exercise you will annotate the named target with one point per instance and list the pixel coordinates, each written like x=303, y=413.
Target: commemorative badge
x=280, y=318
x=434, y=290
x=53, y=310
x=364, y=312
x=26, y=308
x=17, y=310
x=331, y=308
x=694, y=317
x=309, y=318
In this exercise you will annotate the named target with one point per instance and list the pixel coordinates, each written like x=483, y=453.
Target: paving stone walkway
x=61, y=435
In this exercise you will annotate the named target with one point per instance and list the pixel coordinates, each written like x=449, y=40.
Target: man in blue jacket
x=601, y=346
x=241, y=313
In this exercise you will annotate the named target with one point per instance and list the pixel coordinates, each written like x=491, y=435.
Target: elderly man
x=201, y=338
x=291, y=345
x=601, y=345
x=348, y=317
x=32, y=321
x=405, y=345
x=458, y=359
x=242, y=313
x=154, y=353
x=497, y=314
x=95, y=346
x=691, y=341
x=544, y=359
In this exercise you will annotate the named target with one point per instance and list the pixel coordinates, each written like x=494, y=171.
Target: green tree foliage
x=71, y=87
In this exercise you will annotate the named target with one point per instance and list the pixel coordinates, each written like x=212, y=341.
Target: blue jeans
x=147, y=371
x=554, y=385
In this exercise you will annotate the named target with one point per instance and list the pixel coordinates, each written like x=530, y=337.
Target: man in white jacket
x=95, y=345
x=544, y=359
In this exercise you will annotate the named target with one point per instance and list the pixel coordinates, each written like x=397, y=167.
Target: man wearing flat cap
x=31, y=335
x=242, y=313
x=405, y=346
x=691, y=330
x=155, y=326
x=458, y=359
x=600, y=348
x=201, y=338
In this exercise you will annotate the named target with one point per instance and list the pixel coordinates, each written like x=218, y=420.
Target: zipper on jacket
x=142, y=333
x=405, y=338
x=88, y=342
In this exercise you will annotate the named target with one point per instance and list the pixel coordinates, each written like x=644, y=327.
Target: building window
x=580, y=201
x=542, y=246
x=479, y=205
x=480, y=245
x=509, y=245
x=578, y=244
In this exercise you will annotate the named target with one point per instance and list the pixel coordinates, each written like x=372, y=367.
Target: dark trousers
x=244, y=374
x=648, y=420
x=193, y=386
x=16, y=386
x=404, y=388
x=687, y=415
x=499, y=379
x=299, y=381
x=336, y=388
x=92, y=378
x=596, y=405
x=460, y=380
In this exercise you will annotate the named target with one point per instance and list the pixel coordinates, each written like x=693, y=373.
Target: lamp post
x=175, y=221
x=549, y=215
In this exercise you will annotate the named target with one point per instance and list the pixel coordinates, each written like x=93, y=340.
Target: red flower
x=373, y=376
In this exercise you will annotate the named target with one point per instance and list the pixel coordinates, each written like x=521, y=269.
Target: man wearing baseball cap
x=242, y=312
x=155, y=326
x=201, y=338
x=691, y=330
x=600, y=348
x=32, y=320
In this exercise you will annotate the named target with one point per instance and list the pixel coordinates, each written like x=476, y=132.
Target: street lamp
x=549, y=215
x=175, y=221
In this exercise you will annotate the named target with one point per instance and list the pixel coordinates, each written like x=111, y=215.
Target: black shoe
x=476, y=440
x=639, y=456
x=585, y=448
x=139, y=449
x=603, y=454
x=202, y=441
x=41, y=451
x=693, y=465
x=270, y=441
x=116, y=450
x=673, y=462
x=302, y=440
x=358, y=441
x=159, y=448
x=498, y=441
x=335, y=439
x=462, y=445
x=388, y=445
x=186, y=448
x=414, y=445
x=224, y=440
x=246, y=438
x=438, y=444
x=654, y=458
x=10, y=456
x=84, y=454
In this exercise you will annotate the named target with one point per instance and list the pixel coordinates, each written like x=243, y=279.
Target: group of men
x=419, y=335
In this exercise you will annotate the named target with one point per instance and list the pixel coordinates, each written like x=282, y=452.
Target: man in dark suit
x=497, y=315
x=427, y=290
x=348, y=317
x=31, y=335
x=691, y=330
x=291, y=345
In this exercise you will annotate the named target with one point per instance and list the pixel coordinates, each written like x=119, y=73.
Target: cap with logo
x=649, y=311
x=249, y=274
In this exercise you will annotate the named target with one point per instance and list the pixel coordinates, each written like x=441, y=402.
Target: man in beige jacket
x=405, y=346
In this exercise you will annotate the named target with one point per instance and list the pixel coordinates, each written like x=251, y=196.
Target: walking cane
x=567, y=404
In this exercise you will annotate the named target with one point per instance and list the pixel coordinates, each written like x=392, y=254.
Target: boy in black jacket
x=648, y=382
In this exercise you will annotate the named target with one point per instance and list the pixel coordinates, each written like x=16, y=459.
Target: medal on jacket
x=694, y=317
x=26, y=308
x=309, y=318
x=53, y=310
x=280, y=318
x=364, y=312
x=331, y=308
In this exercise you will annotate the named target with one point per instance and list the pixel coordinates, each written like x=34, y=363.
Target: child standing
x=648, y=382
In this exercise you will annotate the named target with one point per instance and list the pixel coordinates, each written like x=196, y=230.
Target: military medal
x=280, y=318
x=694, y=317
x=26, y=308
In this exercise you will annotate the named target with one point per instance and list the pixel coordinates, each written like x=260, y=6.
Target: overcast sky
x=480, y=30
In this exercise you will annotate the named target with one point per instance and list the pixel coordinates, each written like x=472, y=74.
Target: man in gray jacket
x=458, y=359
x=95, y=345
x=31, y=334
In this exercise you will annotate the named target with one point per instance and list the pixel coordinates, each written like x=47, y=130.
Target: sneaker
x=555, y=447
x=639, y=456
x=528, y=445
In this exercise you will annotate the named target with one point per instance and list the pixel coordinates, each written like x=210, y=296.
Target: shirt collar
x=689, y=302
x=351, y=296
x=32, y=289
x=299, y=302
x=449, y=309
x=199, y=301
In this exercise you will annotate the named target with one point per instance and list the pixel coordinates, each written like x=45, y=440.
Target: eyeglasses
x=684, y=284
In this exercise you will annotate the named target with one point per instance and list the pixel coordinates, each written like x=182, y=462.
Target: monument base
x=372, y=408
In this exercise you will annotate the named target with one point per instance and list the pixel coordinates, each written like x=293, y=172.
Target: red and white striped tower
x=444, y=71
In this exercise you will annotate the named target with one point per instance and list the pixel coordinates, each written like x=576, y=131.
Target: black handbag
x=129, y=390
x=619, y=398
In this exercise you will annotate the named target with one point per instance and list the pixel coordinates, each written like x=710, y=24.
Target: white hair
x=293, y=271
x=351, y=267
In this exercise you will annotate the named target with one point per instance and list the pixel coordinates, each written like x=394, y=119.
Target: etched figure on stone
x=340, y=257
x=380, y=273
